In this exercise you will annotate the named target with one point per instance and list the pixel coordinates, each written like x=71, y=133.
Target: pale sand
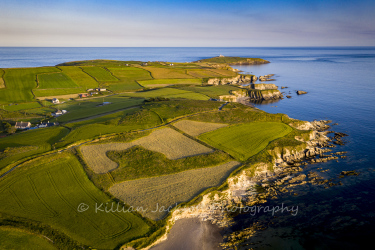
x=192, y=234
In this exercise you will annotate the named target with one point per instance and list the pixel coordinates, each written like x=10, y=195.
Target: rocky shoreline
x=245, y=190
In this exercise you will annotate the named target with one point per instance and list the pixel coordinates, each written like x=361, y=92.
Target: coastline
x=217, y=207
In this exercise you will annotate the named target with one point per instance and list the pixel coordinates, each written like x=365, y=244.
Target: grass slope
x=22, y=106
x=2, y=84
x=245, y=140
x=129, y=77
x=99, y=74
x=79, y=77
x=13, y=238
x=168, y=82
x=168, y=93
x=50, y=191
x=20, y=82
x=167, y=73
x=55, y=80
x=41, y=140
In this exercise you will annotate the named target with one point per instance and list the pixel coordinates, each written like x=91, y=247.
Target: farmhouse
x=55, y=101
x=23, y=125
x=99, y=89
x=59, y=112
x=83, y=95
x=47, y=124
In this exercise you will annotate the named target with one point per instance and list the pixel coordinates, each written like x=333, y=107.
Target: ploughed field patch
x=245, y=140
x=166, y=141
x=51, y=189
x=158, y=194
x=195, y=128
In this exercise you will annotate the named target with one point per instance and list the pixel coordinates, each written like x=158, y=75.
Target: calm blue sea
x=340, y=82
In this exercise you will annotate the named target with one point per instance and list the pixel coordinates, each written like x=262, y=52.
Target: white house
x=55, y=101
x=23, y=125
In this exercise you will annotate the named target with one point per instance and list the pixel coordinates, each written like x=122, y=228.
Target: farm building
x=59, y=112
x=83, y=95
x=55, y=101
x=90, y=90
x=98, y=89
x=23, y=125
x=47, y=124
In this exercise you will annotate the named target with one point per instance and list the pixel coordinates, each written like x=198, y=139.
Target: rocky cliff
x=237, y=80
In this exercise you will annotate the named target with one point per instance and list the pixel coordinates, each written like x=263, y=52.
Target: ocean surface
x=340, y=82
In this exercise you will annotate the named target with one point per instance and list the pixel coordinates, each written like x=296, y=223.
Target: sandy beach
x=191, y=234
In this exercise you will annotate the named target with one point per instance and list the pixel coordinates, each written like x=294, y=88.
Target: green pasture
x=167, y=82
x=79, y=77
x=167, y=73
x=2, y=84
x=245, y=140
x=168, y=93
x=84, y=109
x=128, y=121
x=99, y=73
x=20, y=82
x=50, y=190
x=55, y=80
x=27, y=143
x=211, y=91
x=203, y=73
x=21, y=106
x=14, y=238
x=128, y=78
x=57, y=92
x=100, y=63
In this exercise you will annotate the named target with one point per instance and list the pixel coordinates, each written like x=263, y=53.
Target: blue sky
x=204, y=23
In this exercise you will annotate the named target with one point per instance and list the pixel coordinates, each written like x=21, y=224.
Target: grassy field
x=142, y=119
x=55, y=80
x=129, y=77
x=167, y=73
x=203, y=73
x=2, y=84
x=79, y=77
x=57, y=92
x=168, y=93
x=167, y=82
x=195, y=128
x=83, y=109
x=99, y=74
x=211, y=91
x=20, y=82
x=22, y=106
x=41, y=140
x=50, y=191
x=165, y=141
x=166, y=191
x=13, y=238
x=245, y=140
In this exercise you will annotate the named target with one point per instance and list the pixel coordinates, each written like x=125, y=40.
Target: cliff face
x=237, y=80
x=270, y=94
x=262, y=86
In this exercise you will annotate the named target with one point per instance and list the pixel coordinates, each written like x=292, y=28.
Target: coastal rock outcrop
x=237, y=80
x=300, y=92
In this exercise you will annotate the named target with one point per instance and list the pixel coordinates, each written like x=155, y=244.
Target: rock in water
x=300, y=92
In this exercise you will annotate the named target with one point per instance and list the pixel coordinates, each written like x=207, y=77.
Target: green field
x=2, y=84
x=168, y=93
x=245, y=140
x=41, y=140
x=167, y=82
x=13, y=238
x=167, y=72
x=79, y=77
x=128, y=78
x=129, y=121
x=56, y=92
x=20, y=82
x=83, y=109
x=232, y=60
x=55, y=80
x=22, y=106
x=99, y=74
x=211, y=91
x=50, y=190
